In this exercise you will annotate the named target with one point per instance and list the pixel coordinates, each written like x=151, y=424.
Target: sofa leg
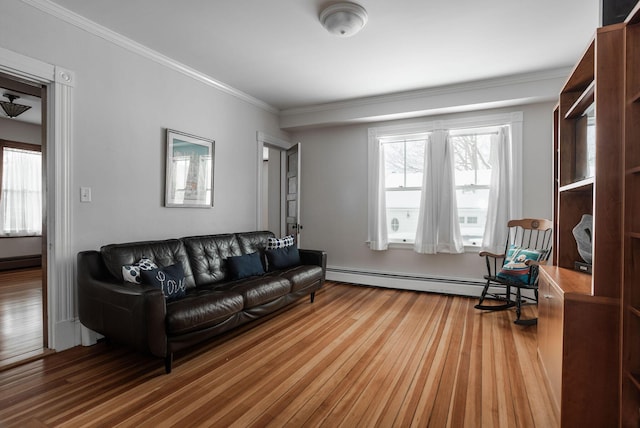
x=313, y=296
x=168, y=361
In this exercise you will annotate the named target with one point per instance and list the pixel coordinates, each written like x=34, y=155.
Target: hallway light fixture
x=343, y=19
x=12, y=109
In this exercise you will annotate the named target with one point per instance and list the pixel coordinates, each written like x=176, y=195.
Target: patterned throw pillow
x=273, y=243
x=515, y=268
x=131, y=273
x=169, y=279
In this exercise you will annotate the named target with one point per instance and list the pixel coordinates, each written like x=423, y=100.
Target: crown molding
x=534, y=77
x=96, y=29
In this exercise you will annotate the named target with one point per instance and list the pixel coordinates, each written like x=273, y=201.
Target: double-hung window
x=475, y=145
x=403, y=164
x=20, y=189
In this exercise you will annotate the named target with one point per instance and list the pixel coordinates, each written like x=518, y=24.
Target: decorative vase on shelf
x=583, y=235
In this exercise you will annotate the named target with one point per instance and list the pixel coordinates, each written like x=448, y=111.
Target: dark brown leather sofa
x=140, y=316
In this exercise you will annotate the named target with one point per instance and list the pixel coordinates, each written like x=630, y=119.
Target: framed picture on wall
x=189, y=170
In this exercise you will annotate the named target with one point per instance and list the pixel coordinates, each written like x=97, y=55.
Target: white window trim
x=514, y=119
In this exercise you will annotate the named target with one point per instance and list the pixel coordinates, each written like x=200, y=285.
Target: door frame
x=63, y=327
x=267, y=140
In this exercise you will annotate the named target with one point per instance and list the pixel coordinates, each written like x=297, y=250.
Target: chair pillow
x=131, y=273
x=169, y=279
x=282, y=258
x=245, y=265
x=273, y=243
x=515, y=268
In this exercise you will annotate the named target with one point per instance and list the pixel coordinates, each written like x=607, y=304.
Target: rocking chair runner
x=528, y=246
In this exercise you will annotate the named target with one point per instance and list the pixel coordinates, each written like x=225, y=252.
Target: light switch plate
x=85, y=194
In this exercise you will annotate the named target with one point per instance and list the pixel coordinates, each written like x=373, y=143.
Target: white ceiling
x=277, y=51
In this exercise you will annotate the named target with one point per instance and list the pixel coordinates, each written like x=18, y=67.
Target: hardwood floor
x=358, y=356
x=20, y=315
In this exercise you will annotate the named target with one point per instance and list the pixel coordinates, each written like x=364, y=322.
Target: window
x=21, y=189
x=403, y=163
x=402, y=158
x=472, y=149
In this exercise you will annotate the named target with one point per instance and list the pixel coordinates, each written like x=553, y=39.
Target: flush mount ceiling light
x=12, y=109
x=344, y=19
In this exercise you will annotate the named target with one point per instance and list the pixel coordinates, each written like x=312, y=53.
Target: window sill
x=409, y=246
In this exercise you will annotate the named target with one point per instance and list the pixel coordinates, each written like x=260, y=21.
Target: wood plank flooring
x=20, y=315
x=358, y=356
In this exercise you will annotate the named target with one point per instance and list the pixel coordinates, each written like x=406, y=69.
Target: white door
x=292, y=193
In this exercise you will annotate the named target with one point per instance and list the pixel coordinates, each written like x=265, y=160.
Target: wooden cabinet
x=574, y=332
x=579, y=314
x=630, y=379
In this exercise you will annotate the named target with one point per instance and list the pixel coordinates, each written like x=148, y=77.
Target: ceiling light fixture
x=343, y=19
x=12, y=109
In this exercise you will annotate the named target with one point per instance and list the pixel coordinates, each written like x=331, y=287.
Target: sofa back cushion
x=162, y=253
x=208, y=256
x=254, y=242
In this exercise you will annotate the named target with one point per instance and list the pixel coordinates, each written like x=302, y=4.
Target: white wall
x=22, y=132
x=334, y=197
x=123, y=103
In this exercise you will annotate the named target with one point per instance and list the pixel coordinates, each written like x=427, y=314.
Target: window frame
x=376, y=135
x=20, y=146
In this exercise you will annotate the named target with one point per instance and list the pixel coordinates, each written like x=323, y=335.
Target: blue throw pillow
x=282, y=258
x=169, y=279
x=244, y=266
x=515, y=268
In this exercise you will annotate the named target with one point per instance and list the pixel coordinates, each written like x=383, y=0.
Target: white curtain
x=498, y=213
x=378, y=238
x=438, y=228
x=21, y=197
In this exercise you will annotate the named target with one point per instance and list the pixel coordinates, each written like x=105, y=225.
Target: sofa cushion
x=252, y=242
x=131, y=273
x=282, y=258
x=169, y=279
x=201, y=309
x=273, y=243
x=302, y=276
x=245, y=265
x=162, y=253
x=208, y=256
x=258, y=290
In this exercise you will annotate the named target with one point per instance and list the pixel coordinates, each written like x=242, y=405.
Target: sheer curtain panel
x=378, y=237
x=498, y=213
x=438, y=228
x=21, y=197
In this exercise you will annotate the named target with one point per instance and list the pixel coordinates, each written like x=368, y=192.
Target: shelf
x=582, y=103
x=581, y=185
x=635, y=311
x=635, y=170
x=635, y=98
x=634, y=235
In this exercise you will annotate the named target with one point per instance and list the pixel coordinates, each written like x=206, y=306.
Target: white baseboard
x=471, y=287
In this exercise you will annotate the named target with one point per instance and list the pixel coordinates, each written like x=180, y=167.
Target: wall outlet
x=85, y=194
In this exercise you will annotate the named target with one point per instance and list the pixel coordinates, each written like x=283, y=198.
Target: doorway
x=279, y=186
x=23, y=252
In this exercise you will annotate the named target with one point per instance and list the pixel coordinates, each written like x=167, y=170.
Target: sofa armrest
x=129, y=313
x=314, y=257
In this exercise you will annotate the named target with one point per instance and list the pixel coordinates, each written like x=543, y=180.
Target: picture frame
x=189, y=171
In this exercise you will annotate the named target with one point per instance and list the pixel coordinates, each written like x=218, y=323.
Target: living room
x=112, y=98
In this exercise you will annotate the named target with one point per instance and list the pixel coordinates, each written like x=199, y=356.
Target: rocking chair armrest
x=535, y=262
x=492, y=255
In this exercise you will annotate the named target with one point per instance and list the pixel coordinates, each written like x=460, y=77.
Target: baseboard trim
x=415, y=282
x=20, y=262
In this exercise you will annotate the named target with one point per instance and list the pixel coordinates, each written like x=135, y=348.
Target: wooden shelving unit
x=630, y=349
x=579, y=314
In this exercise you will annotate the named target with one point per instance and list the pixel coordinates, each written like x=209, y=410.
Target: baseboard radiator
x=415, y=282
x=20, y=262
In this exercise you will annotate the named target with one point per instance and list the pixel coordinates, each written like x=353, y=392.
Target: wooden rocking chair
x=528, y=246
